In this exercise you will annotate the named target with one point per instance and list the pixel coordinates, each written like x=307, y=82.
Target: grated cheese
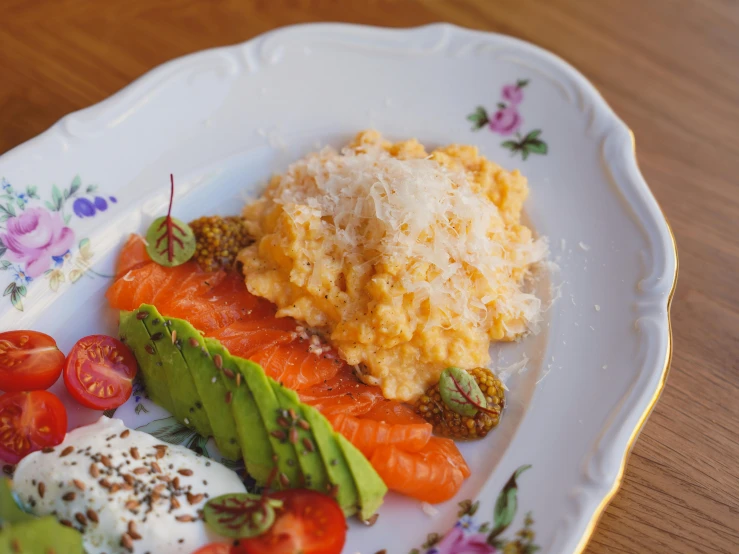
x=416, y=214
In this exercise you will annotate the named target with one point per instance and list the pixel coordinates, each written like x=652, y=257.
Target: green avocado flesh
x=250, y=415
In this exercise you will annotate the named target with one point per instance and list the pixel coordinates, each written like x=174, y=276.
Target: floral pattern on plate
x=37, y=240
x=507, y=120
x=470, y=536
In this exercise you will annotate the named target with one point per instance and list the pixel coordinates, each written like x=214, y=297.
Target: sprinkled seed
x=304, y=424
x=132, y=505
x=157, y=336
x=104, y=483
x=79, y=484
x=229, y=373
x=140, y=470
x=106, y=461
x=132, y=531
x=185, y=472
x=293, y=436
x=128, y=478
x=67, y=451
x=125, y=433
x=238, y=379
x=69, y=497
x=41, y=489
x=193, y=341
x=229, y=397
x=174, y=336
x=334, y=462
x=278, y=434
x=149, y=348
x=47, y=450
x=114, y=488
x=142, y=315
x=175, y=503
x=185, y=518
x=218, y=361
x=135, y=453
x=308, y=444
x=371, y=521
x=194, y=498
x=161, y=450
x=92, y=515
x=282, y=422
x=127, y=542
x=94, y=471
x=284, y=480
x=292, y=413
x=80, y=517
x=155, y=467
x=65, y=522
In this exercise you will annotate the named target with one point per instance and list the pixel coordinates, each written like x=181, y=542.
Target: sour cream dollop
x=125, y=490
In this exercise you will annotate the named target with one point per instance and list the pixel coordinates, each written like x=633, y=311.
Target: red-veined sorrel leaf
x=170, y=242
x=461, y=393
x=240, y=515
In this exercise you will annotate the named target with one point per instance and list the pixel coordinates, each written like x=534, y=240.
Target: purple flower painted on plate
x=457, y=541
x=83, y=208
x=513, y=94
x=100, y=203
x=506, y=121
x=34, y=237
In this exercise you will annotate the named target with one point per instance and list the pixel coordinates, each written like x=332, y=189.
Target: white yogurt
x=145, y=499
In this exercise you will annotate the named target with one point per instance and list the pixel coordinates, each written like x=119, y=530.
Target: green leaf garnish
x=10, y=512
x=240, y=515
x=170, y=242
x=461, y=393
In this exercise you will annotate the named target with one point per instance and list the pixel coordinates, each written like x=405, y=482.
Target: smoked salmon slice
x=433, y=474
x=245, y=338
x=295, y=366
x=133, y=255
x=343, y=393
x=369, y=434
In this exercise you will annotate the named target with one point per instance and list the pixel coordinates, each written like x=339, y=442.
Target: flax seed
x=185, y=518
x=125, y=433
x=135, y=453
x=67, y=451
x=41, y=489
x=185, y=472
x=92, y=515
x=194, y=498
x=106, y=461
x=79, y=484
x=68, y=497
x=81, y=519
x=140, y=470
x=155, y=467
x=94, y=471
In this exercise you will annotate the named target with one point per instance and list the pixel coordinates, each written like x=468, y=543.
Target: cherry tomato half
x=29, y=360
x=308, y=523
x=99, y=372
x=30, y=421
x=215, y=548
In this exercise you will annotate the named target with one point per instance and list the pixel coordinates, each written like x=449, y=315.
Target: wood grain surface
x=670, y=68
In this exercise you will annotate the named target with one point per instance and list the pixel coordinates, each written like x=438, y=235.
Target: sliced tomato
x=215, y=548
x=99, y=372
x=30, y=421
x=308, y=523
x=29, y=360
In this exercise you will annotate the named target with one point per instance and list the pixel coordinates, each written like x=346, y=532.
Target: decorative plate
x=222, y=120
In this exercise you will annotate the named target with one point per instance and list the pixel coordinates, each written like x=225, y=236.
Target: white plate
x=222, y=120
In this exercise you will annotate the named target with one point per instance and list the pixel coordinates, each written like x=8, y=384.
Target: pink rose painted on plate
x=507, y=120
x=513, y=93
x=457, y=541
x=37, y=238
x=34, y=237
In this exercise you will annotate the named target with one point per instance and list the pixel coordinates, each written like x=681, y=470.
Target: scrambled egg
x=408, y=261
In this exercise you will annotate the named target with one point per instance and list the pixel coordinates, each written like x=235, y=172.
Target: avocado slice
x=339, y=475
x=209, y=386
x=253, y=414
x=370, y=487
x=40, y=536
x=269, y=410
x=189, y=407
x=133, y=332
x=256, y=446
x=309, y=456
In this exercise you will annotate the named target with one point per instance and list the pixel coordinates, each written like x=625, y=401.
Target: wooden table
x=669, y=68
